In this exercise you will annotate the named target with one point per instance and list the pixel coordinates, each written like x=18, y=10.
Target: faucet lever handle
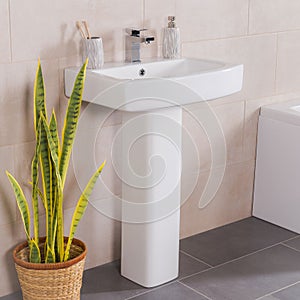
x=134, y=31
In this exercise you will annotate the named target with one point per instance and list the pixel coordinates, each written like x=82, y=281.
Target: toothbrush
x=79, y=26
x=87, y=29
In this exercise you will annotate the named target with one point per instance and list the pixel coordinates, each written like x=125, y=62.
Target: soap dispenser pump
x=171, y=40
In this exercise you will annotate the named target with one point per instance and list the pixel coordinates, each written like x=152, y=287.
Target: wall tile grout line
x=276, y=291
x=195, y=258
x=10, y=34
x=235, y=37
x=203, y=295
x=175, y=7
x=229, y=164
x=144, y=14
x=244, y=129
x=276, y=32
x=276, y=64
x=248, y=28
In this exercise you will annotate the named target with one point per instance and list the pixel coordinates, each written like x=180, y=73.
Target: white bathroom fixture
x=151, y=95
x=277, y=175
x=133, y=41
x=182, y=81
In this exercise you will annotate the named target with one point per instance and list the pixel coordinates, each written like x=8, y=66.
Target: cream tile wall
x=263, y=35
x=273, y=16
x=202, y=20
x=288, y=66
x=5, y=46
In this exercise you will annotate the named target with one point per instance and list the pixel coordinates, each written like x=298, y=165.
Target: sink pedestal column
x=151, y=169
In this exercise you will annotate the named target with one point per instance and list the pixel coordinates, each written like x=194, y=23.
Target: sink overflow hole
x=142, y=72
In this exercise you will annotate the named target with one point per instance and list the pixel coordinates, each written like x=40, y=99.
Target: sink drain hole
x=142, y=72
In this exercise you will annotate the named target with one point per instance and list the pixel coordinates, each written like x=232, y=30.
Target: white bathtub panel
x=277, y=178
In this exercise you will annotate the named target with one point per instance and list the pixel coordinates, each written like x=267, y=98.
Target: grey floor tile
x=174, y=291
x=14, y=296
x=105, y=282
x=250, y=277
x=294, y=243
x=290, y=293
x=189, y=266
x=234, y=240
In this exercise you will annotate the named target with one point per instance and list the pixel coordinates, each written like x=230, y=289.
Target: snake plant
x=51, y=160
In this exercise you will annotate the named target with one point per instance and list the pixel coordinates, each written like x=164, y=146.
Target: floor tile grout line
x=290, y=247
x=199, y=293
x=151, y=290
x=230, y=261
x=257, y=251
x=198, y=273
x=195, y=258
x=140, y=294
x=290, y=239
x=279, y=290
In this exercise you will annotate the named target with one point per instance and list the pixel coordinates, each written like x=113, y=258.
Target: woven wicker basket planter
x=60, y=281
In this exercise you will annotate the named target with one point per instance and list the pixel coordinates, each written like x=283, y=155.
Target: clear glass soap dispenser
x=171, y=40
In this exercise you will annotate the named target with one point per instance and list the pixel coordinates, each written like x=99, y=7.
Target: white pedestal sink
x=151, y=95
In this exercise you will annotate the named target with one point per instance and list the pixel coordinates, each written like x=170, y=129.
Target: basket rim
x=49, y=266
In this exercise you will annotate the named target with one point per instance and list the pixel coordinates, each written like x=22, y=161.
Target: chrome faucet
x=133, y=41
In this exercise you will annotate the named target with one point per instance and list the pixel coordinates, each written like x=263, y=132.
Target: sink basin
x=157, y=84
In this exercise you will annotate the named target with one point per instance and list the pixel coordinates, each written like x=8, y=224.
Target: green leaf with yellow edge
x=54, y=132
x=50, y=255
x=80, y=208
x=34, y=177
x=34, y=253
x=55, y=137
x=46, y=171
x=39, y=96
x=71, y=121
x=40, y=194
x=22, y=204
